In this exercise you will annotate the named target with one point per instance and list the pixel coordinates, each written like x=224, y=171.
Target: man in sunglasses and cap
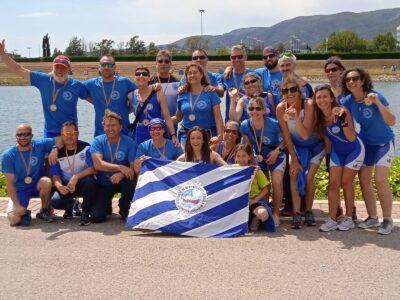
x=23, y=169
x=109, y=91
x=59, y=93
x=73, y=174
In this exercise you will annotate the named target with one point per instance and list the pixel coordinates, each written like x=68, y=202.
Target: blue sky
x=23, y=23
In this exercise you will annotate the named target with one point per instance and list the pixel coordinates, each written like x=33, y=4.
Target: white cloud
x=39, y=14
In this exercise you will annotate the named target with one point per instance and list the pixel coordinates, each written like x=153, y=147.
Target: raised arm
x=11, y=64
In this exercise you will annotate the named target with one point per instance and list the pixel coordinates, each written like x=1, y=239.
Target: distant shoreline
x=310, y=69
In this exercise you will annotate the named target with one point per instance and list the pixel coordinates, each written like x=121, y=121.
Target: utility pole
x=201, y=11
x=29, y=51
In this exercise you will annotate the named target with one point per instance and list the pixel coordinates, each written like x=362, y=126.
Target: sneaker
x=346, y=224
x=296, y=223
x=68, y=214
x=369, y=222
x=45, y=215
x=309, y=218
x=386, y=227
x=354, y=214
x=339, y=212
x=76, y=209
x=255, y=223
x=329, y=225
x=26, y=218
x=85, y=220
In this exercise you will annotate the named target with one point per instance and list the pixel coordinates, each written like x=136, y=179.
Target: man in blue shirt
x=113, y=155
x=73, y=174
x=109, y=91
x=23, y=169
x=59, y=93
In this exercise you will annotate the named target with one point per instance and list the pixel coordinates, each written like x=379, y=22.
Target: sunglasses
x=107, y=64
x=155, y=128
x=23, y=134
x=257, y=108
x=331, y=70
x=247, y=82
x=143, y=73
x=69, y=133
x=201, y=57
x=233, y=57
x=354, y=79
x=293, y=89
x=231, y=131
x=269, y=56
x=165, y=61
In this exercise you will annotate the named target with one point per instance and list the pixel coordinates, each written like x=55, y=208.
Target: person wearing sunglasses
x=109, y=91
x=264, y=135
x=168, y=82
x=158, y=146
x=155, y=107
x=215, y=82
x=253, y=87
x=334, y=124
x=287, y=66
x=73, y=174
x=233, y=76
x=59, y=93
x=296, y=118
x=198, y=107
x=333, y=68
x=23, y=169
x=371, y=111
x=270, y=74
x=113, y=155
x=231, y=138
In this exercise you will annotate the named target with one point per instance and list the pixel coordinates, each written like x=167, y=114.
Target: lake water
x=22, y=104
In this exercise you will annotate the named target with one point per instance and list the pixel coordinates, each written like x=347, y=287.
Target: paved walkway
x=320, y=209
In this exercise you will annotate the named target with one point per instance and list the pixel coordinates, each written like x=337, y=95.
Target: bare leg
x=384, y=191
x=310, y=186
x=365, y=176
x=277, y=191
x=44, y=187
x=335, y=177
x=348, y=189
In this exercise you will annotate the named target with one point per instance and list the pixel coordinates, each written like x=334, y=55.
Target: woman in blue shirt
x=231, y=138
x=371, y=110
x=197, y=107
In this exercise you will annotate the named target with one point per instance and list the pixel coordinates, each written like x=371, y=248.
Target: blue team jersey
x=230, y=160
x=203, y=110
x=271, y=136
x=235, y=81
x=124, y=156
x=276, y=79
x=66, y=101
x=265, y=78
x=373, y=129
x=339, y=142
x=12, y=163
x=147, y=148
x=118, y=100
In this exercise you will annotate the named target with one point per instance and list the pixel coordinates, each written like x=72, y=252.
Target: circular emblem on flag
x=119, y=155
x=115, y=95
x=34, y=161
x=367, y=113
x=335, y=129
x=67, y=95
x=191, y=198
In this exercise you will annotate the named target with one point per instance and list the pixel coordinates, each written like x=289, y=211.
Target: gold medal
x=259, y=158
x=28, y=180
x=232, y=92
x=53, y=107
x=192, y=117
x=336, y=110
x=367, y=101
x=145, y=122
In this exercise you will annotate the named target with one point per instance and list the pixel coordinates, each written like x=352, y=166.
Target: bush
x=3, y=190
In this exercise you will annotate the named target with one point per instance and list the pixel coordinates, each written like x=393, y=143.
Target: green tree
x=56, y=52
x=105, y=46
x=46, y=46
x=152, y=49
x=345, y=41
x=75, y=47
x=195, y=42
x=383, y=42
x=135, y=46
x=222, y=51
x=280, y=47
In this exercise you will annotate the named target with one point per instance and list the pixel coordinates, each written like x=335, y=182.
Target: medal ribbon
x=108, y=100
x=193, y=105
x=112, y=155
x=27, y=165
x=258, y=143
x=56, y=92
x=162, y=154
x=71, y=166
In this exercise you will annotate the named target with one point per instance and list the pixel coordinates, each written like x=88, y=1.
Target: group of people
x=274, y=120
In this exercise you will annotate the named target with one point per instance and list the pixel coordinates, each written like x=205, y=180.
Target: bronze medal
x=28, y=180
x=145, y=122
x=259, y=158
x=53, y=107
x=192, y=117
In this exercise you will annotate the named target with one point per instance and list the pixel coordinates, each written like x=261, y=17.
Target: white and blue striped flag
x=191, y=199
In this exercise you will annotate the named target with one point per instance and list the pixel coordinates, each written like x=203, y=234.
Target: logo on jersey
x=149, y=106
x=67, y=95
x=335, y=129
x=115, y=95
x=119, y=156
x=367, y=113
x=201, y=104
x=266, y=140
x=275, y=86
x=34, y=161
